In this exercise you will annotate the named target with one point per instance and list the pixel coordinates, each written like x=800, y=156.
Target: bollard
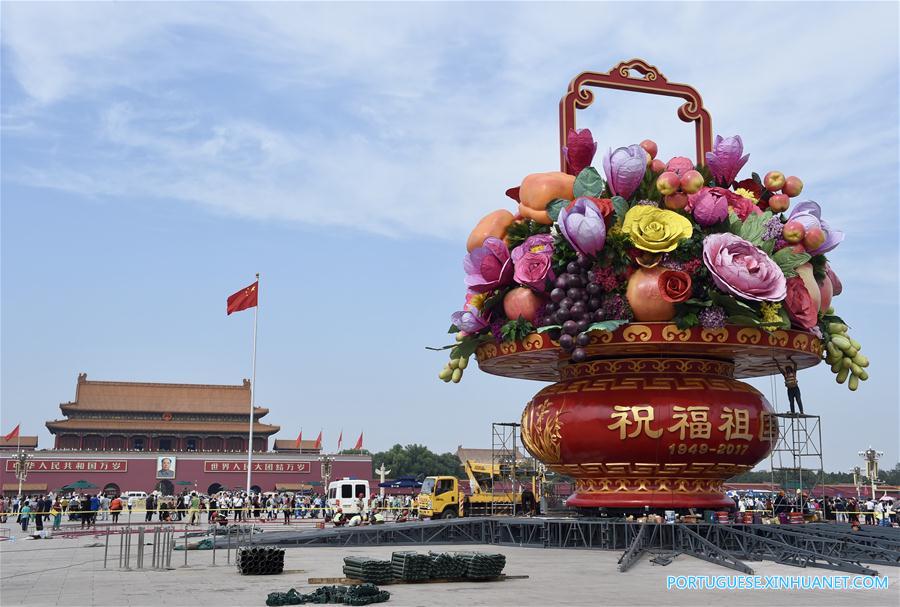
x=215, y=541
x=228, y=533
x=121, y=548
x=139, y=554
x=153, y=551
x=185, y=545
x=127, y=548
x=106, y=548
x=171, y=546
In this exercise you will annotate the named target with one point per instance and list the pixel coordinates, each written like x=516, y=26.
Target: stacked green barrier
x=481, y=565
x=362, y=594
x=368, y=570
x=446, y=565
x=411, y=566
x=260, y=560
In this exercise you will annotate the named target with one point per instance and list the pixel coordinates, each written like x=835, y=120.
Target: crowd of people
x=862, y=510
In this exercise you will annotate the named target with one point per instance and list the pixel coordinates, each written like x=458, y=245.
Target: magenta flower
x=680, y=165
x=809, y=213
x=469, y=319
x=581, y=223
x=709, y=206
x=539, y=243
x=624, y=169
x=533, y=270
x=725, y=161
x=488, y=267
x=579, y=150
x=739, y=268
x=835, y=281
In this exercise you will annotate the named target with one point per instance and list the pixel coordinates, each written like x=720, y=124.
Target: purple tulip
x=581, y=223
x=624, y=168
x=725, y=161
x=739, y=268
x=579, y=150
x=538, y=243
x=488, y=266
x=469, y=319
x=809, y=213
x=709, y=206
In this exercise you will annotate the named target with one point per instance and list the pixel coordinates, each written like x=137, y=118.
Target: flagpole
x=252, y=388
x=19, y=454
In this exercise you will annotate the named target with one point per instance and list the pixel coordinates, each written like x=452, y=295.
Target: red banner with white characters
x=277, y=467
x=71, y=465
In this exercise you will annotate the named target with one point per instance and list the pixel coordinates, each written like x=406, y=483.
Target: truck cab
x=440, y=498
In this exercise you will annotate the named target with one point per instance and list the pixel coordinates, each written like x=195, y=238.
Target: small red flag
x=243, y=299
x=319, y=441
x=358, y=445
x=299, y=438
x=13, y=434
x=340, y=440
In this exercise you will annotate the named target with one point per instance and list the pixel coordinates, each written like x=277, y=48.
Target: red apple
x=650, y=147
x=676, y=201
x=774, y=181
x=668, y=183
x=779, y=203
x=827, y=291
x=798, y=248
x=792, y=186
x=691, y=182
x=814, y=238
x=806, y=273
x=523, y=302
x=657, y=166
x=793, y=231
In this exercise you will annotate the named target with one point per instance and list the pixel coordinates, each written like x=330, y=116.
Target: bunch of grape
x=453, y=370
x=575, y=303
x=842, y=352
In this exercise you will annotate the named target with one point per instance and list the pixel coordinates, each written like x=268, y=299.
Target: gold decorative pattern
x=717, y=335
x=634, y=332
x=541, y=431
x=673, y=333
x=693, y=470
x=648, y=485
x=748, y=335
x=647, y=365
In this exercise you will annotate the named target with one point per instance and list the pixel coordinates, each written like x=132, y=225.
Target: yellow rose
x=655, y=230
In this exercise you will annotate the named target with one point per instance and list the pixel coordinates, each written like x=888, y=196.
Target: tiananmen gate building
x=139, y=436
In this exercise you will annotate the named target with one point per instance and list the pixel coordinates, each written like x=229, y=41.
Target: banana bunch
x=842, y=352
x=453, y=370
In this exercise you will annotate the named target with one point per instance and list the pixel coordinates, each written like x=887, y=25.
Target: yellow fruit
x=457, y=375
x=846, y=362
x=855, y=344
x=863, y=375
x=463, y=363
x=841, y=342
x=861, y=360
x=853, y=384
x=851, y=352
x=842, y=375
x=837, y=327
x=855, y=369
x=454, y=363
x=832, y=349
x=445, y=373
x=837, y=366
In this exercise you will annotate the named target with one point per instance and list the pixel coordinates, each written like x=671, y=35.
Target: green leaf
x=732, y=306
x=789, y=260
x=756, y=178
x=620, y=207
x=453, y=329
x=493, y=301
x=767, y=246
x=703, y=303
x=515, y=330
x=467, y=347
x=555, y=206
x=687, y=321
x=607, y=325
x=734, y=223
x=546, y=328
x=589, y=183
x=739, y=319
x=753, y=227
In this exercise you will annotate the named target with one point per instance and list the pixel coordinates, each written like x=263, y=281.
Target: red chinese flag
x=13, y=434
x=243, y=299
x=358, y=445
x=340, y=440
x=299, y=438
x=319, y=441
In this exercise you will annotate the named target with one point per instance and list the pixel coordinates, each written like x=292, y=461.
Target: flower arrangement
x=651, y=241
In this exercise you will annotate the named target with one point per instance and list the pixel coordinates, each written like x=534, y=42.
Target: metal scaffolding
x=504, y=458
x=797, y=455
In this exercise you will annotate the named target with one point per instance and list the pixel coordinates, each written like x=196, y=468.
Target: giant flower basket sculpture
x=645, y=291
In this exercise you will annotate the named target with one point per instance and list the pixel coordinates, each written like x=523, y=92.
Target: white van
x=343, y=494
x=138, y=495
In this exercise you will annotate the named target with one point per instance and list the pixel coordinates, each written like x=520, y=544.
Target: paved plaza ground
x=65, y=571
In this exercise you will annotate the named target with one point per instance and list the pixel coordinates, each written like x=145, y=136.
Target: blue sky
x=156, y=156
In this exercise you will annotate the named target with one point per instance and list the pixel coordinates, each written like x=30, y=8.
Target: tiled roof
x=160, y=426
x=26, y=442
x=163, y=398
x=289, y=444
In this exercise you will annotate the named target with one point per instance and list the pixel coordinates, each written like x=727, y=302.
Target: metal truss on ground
x=828, y=546
x=797, y=453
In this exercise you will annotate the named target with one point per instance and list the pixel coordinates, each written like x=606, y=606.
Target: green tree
x=416, y=460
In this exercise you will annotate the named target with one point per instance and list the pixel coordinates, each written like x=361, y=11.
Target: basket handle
x=650, y=81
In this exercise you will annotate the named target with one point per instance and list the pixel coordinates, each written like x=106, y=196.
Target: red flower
x=743, y=207
x=751, y=186
x=674, y=285
x=799, y=304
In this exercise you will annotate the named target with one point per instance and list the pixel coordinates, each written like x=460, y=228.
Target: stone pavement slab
x=66, y=572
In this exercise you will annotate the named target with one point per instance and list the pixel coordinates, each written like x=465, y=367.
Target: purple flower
x=709, y=206
x=773, y=229
x=615, y=308
x=488, y=267
x=581, y=223
x=533, y=270
x=712, y=317
x=579, y=150
x=539, y=243
x=469, y=319
x=624, y=169
x=739, y=268
x=647, y=203
x=809, y=213
x=725, y=161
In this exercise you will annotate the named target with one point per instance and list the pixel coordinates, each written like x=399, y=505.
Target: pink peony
x=739, y=268
x=488, y=267
x=533, y=269
x=743, y=207
x=709, y=206
x=799, y=304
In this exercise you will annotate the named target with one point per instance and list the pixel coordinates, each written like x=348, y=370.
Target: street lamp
x=22, y=469
x=871, y=456
x=856, y=480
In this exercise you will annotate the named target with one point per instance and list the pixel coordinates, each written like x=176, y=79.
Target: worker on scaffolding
x=789, y=371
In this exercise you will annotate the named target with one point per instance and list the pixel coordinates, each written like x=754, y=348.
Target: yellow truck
x=441, y=496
